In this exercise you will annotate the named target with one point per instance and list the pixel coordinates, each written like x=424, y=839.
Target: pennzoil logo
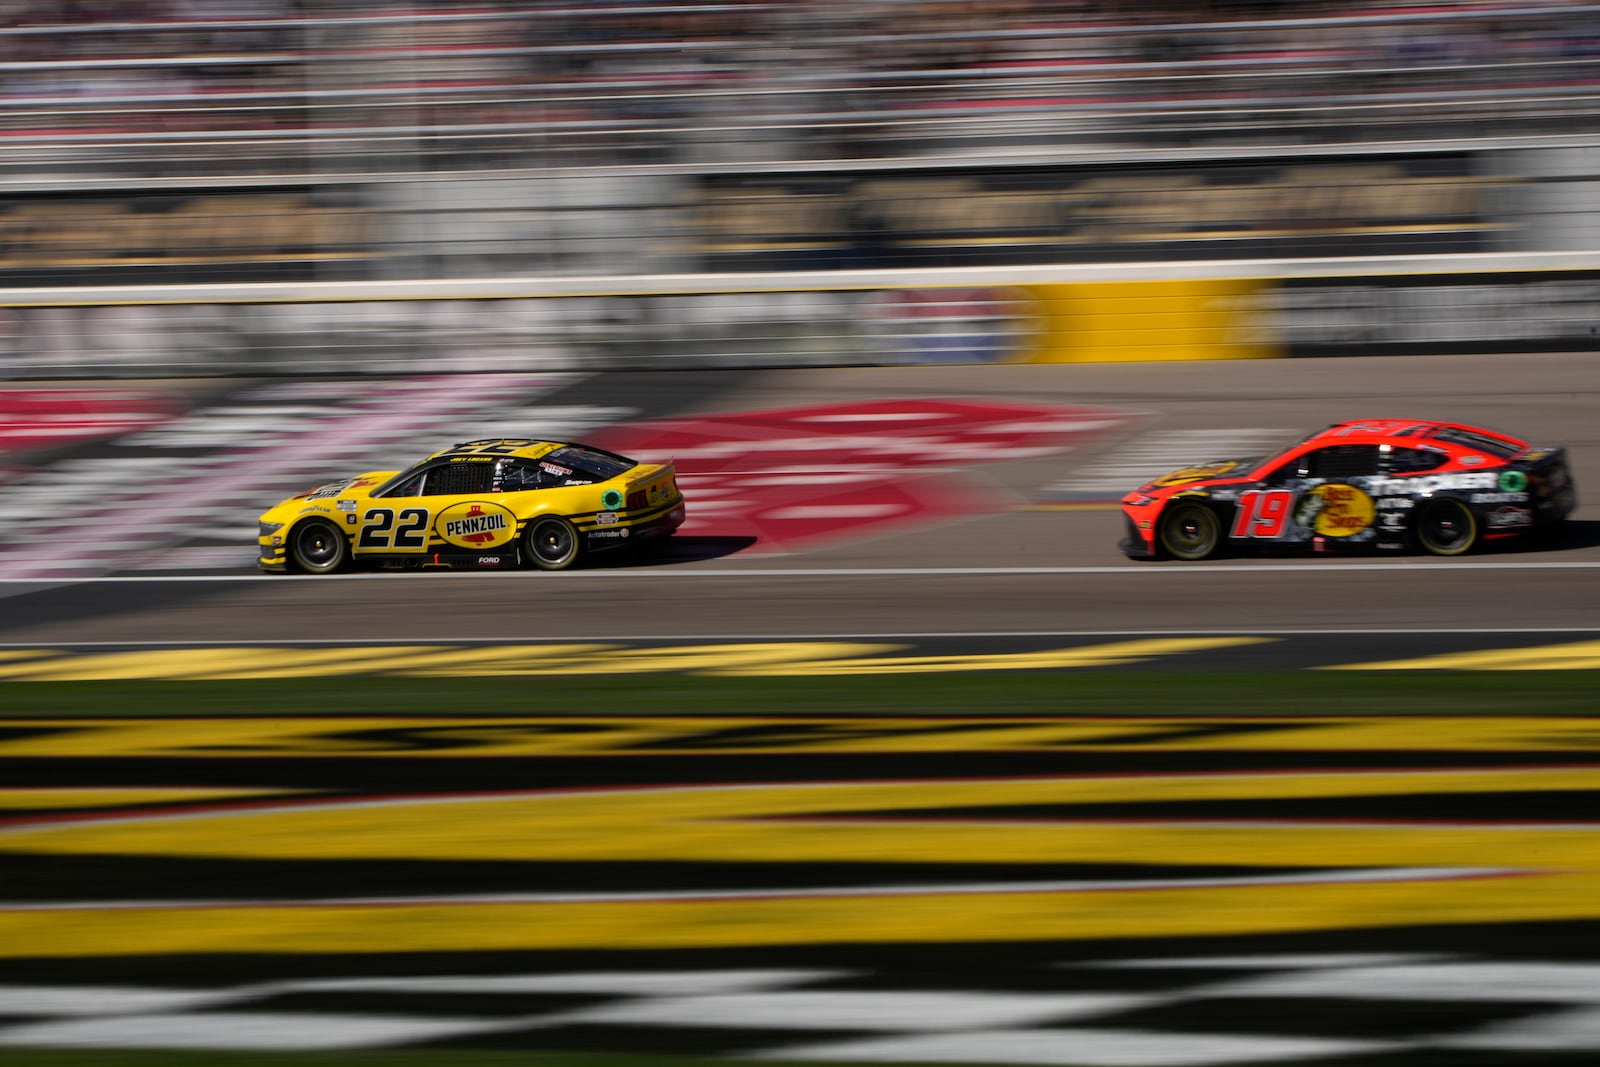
x=477, y=524
x=1336, y=510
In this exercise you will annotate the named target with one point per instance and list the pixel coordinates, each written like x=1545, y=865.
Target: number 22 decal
x=1262, y=513
x=381, y=531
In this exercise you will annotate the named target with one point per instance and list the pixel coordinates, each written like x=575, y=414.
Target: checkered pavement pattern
x=1126, y=1012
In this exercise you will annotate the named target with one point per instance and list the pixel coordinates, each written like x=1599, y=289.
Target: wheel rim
x=1191, y=532
x=317, y=547
x=552, y=542
x=1447, y=528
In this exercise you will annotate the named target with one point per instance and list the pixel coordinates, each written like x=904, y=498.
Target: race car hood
x=1204, y=472
x=358, y=486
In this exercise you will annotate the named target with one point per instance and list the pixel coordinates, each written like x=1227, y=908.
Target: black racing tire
x=550, y=543
x=1189, y=530
x=318, y=547
x=1446, y=527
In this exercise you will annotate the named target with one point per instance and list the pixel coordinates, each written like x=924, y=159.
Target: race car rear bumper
x=607, y=537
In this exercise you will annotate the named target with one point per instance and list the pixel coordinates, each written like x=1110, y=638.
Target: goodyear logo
x=477, y=524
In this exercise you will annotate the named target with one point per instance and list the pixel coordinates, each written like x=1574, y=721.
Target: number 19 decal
x=410, y=534
x=1262, y=512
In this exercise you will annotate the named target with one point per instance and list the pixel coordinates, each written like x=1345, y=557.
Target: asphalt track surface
x=1017, y=569
x=1367, y=890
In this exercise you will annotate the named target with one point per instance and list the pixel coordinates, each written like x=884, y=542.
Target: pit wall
x=1106, y=313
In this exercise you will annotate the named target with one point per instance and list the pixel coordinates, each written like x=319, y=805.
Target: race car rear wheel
x=1189, y=531
x=1446, y=527
x=317, y=547
x=550, y=543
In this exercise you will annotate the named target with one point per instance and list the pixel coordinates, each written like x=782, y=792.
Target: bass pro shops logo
x=1335, y=510
x=477, y=525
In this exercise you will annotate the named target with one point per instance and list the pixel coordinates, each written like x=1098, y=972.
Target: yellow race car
x=478, y=505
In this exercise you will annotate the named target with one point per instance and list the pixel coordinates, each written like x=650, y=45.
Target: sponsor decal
x=1508, y=518
x=476, y=524
x=1431, y=483
x=555, y=468
x=345, y=505
x=1397, y=503
x=608, y=533
x=1513, y=481
x=1195, y=474
x=332, y=489
x=612, y=499
x=1499, y=498
x=351, y=519
x=606, y=518
x=488, y=561
x=1336, y=510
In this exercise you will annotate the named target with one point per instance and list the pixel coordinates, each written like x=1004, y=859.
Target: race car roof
x=1380, y=431
x=525, y=447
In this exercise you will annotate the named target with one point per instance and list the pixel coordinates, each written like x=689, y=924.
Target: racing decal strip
x=1327, y=877
x=754, y=659
x=776, y=658
x=1578, y=656
x=463, y=737
x=55, y=798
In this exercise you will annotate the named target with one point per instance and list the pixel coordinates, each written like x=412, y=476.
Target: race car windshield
x=596, y=463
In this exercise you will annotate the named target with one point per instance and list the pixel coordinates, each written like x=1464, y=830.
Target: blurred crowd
x=169, y=87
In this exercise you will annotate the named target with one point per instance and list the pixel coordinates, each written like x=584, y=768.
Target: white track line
x=681, y=572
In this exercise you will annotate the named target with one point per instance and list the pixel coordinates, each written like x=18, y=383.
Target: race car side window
x=451, y=479
x=1340, y=461
x=518, y=475
x=1412, y=460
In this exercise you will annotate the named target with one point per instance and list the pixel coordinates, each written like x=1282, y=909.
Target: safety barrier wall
x=1097, y=313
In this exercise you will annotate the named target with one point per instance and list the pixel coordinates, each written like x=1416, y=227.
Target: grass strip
x=970, y=693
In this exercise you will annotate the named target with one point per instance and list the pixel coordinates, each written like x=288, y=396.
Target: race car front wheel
x=318, y=547
x=550, y=543
x=1190, y=531
x=1446, y=527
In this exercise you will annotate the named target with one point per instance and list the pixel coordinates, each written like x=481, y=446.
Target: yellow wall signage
x=1152, y=320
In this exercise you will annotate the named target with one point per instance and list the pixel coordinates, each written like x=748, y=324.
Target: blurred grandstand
x=387, y=143
x=205, y=88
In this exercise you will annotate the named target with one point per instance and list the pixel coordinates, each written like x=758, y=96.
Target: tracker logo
x=1432, y=483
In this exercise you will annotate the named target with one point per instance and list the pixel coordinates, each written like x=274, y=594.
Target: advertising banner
x=280, y=233
x=1533, y=311
x=1007, y=216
